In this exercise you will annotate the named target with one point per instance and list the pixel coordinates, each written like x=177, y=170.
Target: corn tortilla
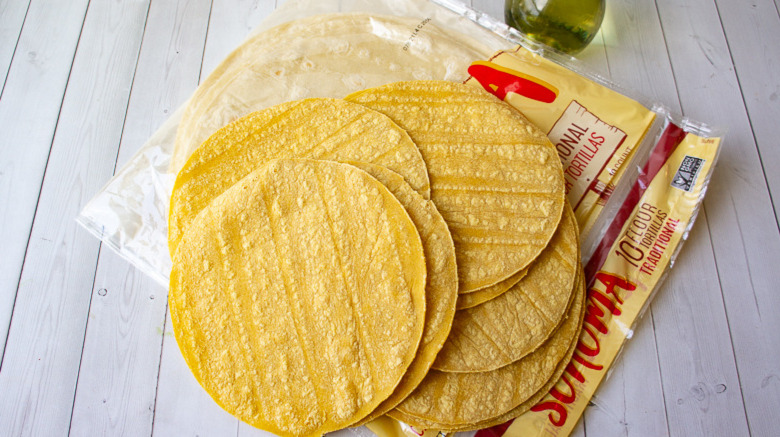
x=314, y=128
x=495, y=178
x=441, y=290
x=298, y=296
x=556, y=376
x=448, y=400
x=509, y=327
x=478, y=297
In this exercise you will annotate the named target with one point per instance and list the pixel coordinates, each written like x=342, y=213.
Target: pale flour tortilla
x=328, y=55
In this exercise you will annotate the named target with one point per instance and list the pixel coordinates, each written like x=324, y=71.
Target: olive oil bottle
x=566, y=25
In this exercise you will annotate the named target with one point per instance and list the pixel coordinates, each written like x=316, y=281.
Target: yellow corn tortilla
x=329, y=129
x=495, y=178
x=511, y=326
x=478, y=297
x=298, y=296
x=448, y=400
x=542, y=392
x=441, y=290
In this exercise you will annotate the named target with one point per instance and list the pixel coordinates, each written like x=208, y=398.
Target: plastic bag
x=130, y=213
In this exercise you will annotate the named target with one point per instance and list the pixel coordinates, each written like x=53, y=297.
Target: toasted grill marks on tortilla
x=477, y=297
x=495, y=177
x=441, y=290
x=327, y=55
x=559, y=369
x=315, y=128
x=509, y=327
x=448, y=400
x=297, y=296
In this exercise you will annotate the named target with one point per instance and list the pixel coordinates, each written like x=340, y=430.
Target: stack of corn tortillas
x=321, y=249
x=404, y=251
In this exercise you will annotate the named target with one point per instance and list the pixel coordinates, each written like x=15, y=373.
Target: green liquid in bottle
x=566, y=25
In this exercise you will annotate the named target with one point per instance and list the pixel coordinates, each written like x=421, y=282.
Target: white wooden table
x=87, y=348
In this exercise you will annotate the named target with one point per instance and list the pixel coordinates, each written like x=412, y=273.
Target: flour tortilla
x=328, y=55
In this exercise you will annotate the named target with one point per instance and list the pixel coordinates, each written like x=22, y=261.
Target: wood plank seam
x=159, y=366
x=747, y=111
x=13, y=55
x=127, y=105
x=668, y=57
x=46, y=167
x=660, y=368
x=205, y=43
x=83, y=340
x=728, y=318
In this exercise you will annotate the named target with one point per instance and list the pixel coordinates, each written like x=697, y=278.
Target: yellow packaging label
x=595, y=129
x=620, y=288
x=597, y=132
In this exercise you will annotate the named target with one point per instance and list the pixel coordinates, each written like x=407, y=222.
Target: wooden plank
x=752, y=31
x=630, y=401
x=29, y=109
x=117, y=379
x=43, y=351
x=119, y=370
x=167, y=74
x=743, y=230
x=183, y=407
x=579, y=429
x=701, y=386
x=12, y=14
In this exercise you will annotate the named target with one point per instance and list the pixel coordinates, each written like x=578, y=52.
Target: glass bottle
x=566, y=25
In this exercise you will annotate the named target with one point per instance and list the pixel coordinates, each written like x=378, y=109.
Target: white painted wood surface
x=32, y=93
x=116, y=392
x=40, y=366
x=87, y=347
